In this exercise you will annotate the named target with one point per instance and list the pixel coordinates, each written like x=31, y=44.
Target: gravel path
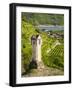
x=44, y=72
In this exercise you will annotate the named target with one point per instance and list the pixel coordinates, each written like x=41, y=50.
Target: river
x=50, y=27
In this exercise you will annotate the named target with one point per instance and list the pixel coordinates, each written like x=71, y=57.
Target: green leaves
x=39, y=18
x=54, y=57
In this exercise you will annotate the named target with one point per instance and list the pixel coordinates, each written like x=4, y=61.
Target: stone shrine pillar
x=36, y=42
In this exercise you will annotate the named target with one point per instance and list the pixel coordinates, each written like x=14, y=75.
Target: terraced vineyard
x=52, y=50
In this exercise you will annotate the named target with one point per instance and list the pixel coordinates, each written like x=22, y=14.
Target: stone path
x=44, y=72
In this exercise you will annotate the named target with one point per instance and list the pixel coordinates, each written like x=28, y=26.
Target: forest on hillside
x=53, y=43
x=39, y=18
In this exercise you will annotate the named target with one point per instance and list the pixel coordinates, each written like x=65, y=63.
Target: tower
x=38, y=48
x=33, y=42
x=36, y=42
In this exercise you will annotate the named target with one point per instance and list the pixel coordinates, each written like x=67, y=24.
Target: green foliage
x=54, y=58
x=50, y=19
x=27, y=31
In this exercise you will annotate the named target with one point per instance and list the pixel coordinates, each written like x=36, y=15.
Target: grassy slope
x=52, y=59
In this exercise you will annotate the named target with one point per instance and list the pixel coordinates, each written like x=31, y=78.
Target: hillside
x=41, y=19
x=52, y=52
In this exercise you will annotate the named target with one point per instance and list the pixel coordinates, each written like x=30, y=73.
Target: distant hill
x=43, y=18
